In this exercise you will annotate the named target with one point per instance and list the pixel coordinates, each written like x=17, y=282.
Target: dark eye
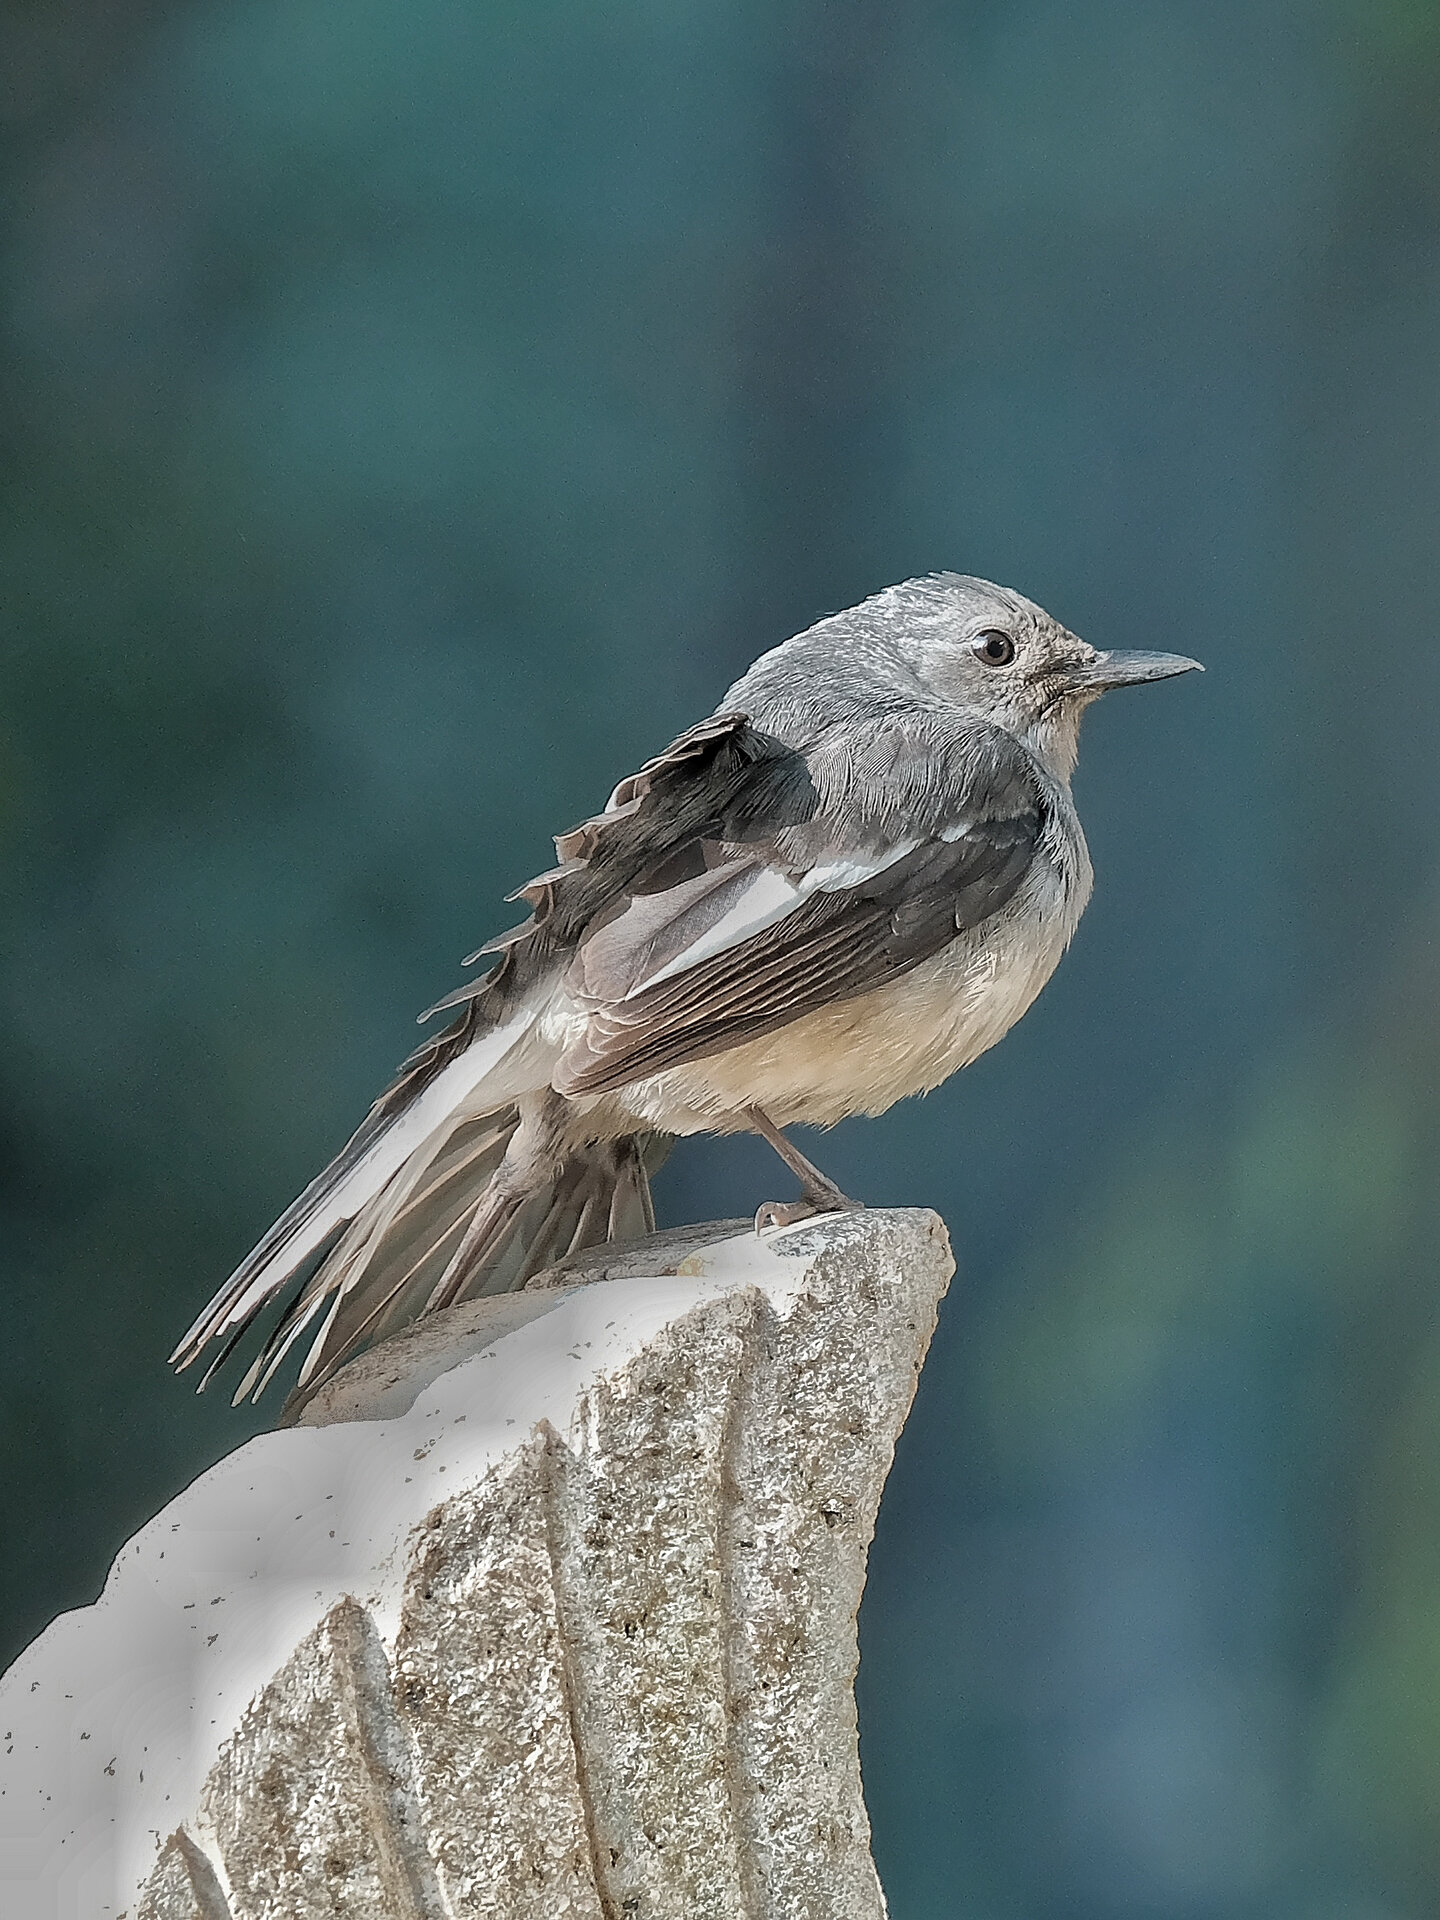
x=993, y=648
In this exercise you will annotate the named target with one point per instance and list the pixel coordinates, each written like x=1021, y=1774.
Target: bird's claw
x=783, y=1213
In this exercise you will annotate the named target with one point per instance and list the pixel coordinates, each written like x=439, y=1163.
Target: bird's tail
x=440, y=1229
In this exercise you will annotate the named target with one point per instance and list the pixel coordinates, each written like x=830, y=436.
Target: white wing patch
x=767, y=900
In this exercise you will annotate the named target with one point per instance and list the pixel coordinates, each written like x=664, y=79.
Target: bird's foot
x=819, y=1191
x=785, y=1213
x=782, y=1213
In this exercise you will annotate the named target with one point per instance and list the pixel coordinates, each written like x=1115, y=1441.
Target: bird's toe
x=783, y=1213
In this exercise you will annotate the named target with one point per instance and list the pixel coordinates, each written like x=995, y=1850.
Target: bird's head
x=996, y=654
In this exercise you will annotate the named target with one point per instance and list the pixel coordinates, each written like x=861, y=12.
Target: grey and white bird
x=847, y=883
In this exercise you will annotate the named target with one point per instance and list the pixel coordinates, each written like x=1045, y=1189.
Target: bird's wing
x=704, y=781
x=725, y=940
x=721, y=783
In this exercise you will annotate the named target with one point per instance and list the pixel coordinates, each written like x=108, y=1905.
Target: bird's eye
x=993, y=648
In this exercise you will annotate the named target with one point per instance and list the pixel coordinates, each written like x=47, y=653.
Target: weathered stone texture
x=312, y=1803
x=822, y=1398
x=481, y=1682
x=621, y=1683
x=636, y=1506
x=184, y=1885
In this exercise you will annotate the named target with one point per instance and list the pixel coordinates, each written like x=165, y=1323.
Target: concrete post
x=547, y=1609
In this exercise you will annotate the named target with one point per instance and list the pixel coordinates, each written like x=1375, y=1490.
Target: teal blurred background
x=416, y=411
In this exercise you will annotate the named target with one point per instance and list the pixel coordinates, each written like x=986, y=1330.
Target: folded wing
x=750, y=935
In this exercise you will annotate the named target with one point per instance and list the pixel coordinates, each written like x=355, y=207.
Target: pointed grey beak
x=1132, y=669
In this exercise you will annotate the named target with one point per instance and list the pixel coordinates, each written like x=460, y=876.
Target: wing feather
x=831, y=943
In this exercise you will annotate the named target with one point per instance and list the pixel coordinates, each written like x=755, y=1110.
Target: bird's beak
x=1132, y=669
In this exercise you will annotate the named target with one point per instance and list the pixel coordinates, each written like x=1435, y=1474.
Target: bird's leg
x=821, y=1195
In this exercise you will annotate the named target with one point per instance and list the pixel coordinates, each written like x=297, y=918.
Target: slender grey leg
x=821, y=1195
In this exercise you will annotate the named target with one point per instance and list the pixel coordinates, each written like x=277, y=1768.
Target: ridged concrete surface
x=607, y=1669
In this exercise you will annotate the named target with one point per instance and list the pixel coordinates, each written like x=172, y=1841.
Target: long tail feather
x=396, y=1230
x=446, y=1243
x=433, y=1201
x=388, y=1139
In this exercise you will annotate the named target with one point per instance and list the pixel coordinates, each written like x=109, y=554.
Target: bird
x=846, y=884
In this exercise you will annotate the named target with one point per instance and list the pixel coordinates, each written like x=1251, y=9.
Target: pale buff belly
x=864, y=1054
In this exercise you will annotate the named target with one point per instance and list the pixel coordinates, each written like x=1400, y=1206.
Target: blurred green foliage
x=410, y=416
